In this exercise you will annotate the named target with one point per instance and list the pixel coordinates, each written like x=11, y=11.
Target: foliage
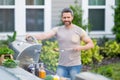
x=77, y=10
x=9, y=63
x=50, y=57
x=48, y=77
x=110, y=49
x=11, y=38
x=112, y=71
x=91, y=55
x=6, y=50
x=108, y=71
x=78, y=16
x=101, y=41
x=116, y=28
x=3, y=43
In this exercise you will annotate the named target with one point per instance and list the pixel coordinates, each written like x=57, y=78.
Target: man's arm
x=89, y=44
x=45, y=35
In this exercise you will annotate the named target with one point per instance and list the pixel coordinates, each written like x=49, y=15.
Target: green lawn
x=111, y=71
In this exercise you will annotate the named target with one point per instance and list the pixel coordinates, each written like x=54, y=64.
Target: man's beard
x=67, y=23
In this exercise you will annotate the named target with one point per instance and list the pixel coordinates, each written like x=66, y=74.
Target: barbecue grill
x=26, y=52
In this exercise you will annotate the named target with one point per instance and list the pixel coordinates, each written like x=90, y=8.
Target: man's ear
x=72, y=17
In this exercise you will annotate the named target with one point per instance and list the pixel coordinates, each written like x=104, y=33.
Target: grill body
x=26, y=53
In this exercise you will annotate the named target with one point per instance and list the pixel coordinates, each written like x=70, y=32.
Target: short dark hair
x=67, y=10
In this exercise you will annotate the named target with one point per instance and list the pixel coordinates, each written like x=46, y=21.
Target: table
x=16, y=74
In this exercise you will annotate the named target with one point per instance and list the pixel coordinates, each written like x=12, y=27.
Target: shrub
x=10, y=38
x=77, y=10
x=91, y=55
x=6, y=50
x=50, y=57
x=116, y=28
x=106, y=71
x=111, y=49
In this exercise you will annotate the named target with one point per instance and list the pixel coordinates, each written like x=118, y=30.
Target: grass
x=111, y=71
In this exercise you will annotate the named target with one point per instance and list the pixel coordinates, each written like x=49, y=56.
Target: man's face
x=67, y=18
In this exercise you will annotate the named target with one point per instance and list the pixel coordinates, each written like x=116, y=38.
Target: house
x=35, y=16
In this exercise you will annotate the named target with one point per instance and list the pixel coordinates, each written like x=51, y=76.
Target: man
x=69, y=37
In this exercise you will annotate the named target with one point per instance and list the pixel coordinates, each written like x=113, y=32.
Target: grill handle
x=31, y=39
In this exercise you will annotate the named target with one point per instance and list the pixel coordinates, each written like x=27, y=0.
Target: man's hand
x=56, y=49
x=31, y=39
x=77, y=48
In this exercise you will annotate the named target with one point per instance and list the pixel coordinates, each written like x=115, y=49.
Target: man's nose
x=66, y=19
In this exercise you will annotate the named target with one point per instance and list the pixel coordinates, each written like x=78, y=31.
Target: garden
x=103, y=59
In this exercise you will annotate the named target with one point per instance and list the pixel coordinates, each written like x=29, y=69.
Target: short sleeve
x=55, y=29
x=84, y=34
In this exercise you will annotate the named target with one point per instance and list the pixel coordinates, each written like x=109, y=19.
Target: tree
x=78, y=13
x=116, y=28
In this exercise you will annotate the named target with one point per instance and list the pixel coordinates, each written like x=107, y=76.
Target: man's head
x=67, y=10
x=67, y=16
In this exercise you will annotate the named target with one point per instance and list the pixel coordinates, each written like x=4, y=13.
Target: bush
x=10, y=63
x=91, y=55
x=77, y=10
x=6, y=50
x=9, y=39
x=50, y=57
x=106, y=71
x=112, y=71
x=116, y=28
x=111, y=49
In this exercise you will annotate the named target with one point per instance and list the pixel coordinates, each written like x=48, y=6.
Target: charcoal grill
x=26, y=52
